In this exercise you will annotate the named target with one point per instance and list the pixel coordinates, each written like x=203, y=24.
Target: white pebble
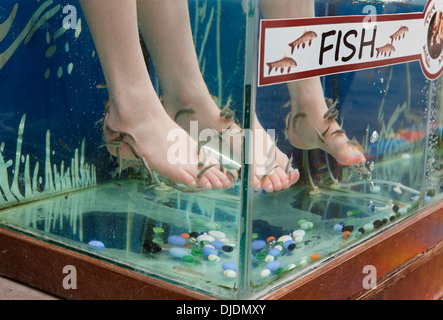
x=402, y=210
x=284, y=238
x=205, y=237
x=279, y=247
x=291, y=266
x=375, y=189
x=213, y=258
x=265, y=273
x=217, y=234
x=230, y=274
x=397, y=189
x=269, y=258
x=298, y=233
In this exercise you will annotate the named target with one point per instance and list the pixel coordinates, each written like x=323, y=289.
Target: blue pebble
x=427, y=198
x=372, y=208
x=176, y=240
x=258, y=244
x=273, y=265
x=274, y=252
x=229, y=266
x=288, y=244
x=178, y=252
x=217, y=245
x=338, y=227
x=208, y=251
x=97, y=245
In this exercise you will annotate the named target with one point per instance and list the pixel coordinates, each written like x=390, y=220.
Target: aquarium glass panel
x=327, y=114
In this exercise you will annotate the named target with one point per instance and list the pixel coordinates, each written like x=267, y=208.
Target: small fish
x=202, y=171
x=386, y=50
x=268, y=172
x=326, y=131
x=319, y=136
x=101, y=86
x=338, y=131
x=184, y=111
x=288, y=165
x=355, y=143
x=285, y=62
x=331, y=106
x=298, y=116
x=226, y=108
x=334, y=115
x=64, y=145
x=307, y=37
x=399, y=34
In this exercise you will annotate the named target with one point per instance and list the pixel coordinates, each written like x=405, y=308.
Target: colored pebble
x=375, y=189
x=258, y=244
x=290, y=245
x=353, y=212
x=178, y=252
x=230, y=273
x=205, y=237
x=229, y=266
x=368, y=227
x=269, y=258
x=377, y=224
x=395, y=208
x=176, y=240
x=279, y=271
x=427, y=198
x=291, y=266
x=348, y=228
x=273, y=265
x=265, y=273
x=298, y=233
x=217, y=234
x=284, y=238
x=315, y=256
x=338, y=227
x=96, y=245
x=372, y=208
x=217, y=244
x=158, y=230
x=274, y=252
x=346, y=234
x=198, y=222
x=261, y=255
x=227, y=248
x=188, y=259
x=254, y=236
x=306, y=225
x=402, y=210
x=184, y=236
x=208, y=251
x=270, y=239
x=213, y=258
x=361, y=230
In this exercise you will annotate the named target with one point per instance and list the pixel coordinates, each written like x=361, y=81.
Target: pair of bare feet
x=151, y=122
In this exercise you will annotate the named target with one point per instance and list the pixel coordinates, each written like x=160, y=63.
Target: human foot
x=314, y=126
x=150, y=135
x=271, y=174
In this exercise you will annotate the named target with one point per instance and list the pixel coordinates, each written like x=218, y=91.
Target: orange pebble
x=346, y=234
x=270, y=238
x=184, y=235
x=315, y=256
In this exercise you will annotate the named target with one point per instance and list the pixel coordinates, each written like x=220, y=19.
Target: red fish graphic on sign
x=399, y=34
x=307, y=37
x=285, y=62
x=386, y=50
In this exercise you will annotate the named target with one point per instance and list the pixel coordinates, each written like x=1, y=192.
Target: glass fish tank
x=323, y=130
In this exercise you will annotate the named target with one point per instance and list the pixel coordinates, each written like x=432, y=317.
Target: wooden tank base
x=408, y=259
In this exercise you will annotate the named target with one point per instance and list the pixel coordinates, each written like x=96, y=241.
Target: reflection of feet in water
x=308, y=128
x=149, y=125
x=207, y=114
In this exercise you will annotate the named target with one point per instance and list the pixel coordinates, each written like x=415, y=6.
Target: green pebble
x=353, y=212
x=307, y=225
x=158, y=230
x=158, y=240
x=368, y=227
x=261, y=255
x=301, y=221
x=189, y=259
x=254, y=236
x=197, y=252
x=279, y=271
x=198, y=222
x=212, y=226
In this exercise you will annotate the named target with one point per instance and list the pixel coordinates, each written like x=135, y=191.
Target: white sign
x=294, y=49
